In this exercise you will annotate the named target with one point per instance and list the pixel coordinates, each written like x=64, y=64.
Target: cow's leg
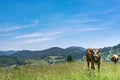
x=88, y=64
x=99, y=67
x=92, y=65
x=116, y=60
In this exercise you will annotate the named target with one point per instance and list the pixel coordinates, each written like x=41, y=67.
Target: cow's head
x=95, y=54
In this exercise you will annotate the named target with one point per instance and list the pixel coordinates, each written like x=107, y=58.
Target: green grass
x=62, y=71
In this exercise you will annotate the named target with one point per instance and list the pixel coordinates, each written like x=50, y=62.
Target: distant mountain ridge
x=109, y=51
x=76, y=47
x=76, y=52
x=7, y=52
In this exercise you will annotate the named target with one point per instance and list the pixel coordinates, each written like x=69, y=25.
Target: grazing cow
x=114, y=58
x=93, y=56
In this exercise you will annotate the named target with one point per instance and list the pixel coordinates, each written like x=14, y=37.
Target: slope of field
x=62, y=71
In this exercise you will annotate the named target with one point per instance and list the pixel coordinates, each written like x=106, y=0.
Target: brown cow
x=93, y=56
x=115, y=58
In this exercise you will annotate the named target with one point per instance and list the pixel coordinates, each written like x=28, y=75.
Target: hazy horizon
x=54, y=47
x=41, y=24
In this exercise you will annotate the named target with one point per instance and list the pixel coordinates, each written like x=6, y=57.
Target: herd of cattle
x=93, y=55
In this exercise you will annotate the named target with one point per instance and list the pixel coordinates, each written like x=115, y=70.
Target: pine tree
x=69, y=58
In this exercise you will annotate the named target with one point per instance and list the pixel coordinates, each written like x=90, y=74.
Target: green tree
x=69, y=58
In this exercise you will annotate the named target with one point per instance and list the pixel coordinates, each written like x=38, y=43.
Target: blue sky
x=41, y=24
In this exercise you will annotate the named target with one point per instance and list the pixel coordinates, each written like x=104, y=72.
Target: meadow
x=61, y=71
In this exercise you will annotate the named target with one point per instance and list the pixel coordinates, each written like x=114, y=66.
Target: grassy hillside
x=62, y=71
x=8, y=61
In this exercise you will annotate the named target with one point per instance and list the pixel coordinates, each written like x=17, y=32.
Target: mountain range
x=7, y=53
x=75, y=51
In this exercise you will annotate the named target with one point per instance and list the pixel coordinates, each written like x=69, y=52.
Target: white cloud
x=57, y=33
x=81, y=20
x=28, y=35
x=37, y=34
x=36, y=37
x=80, y=30
x=91, y=29
x=12, y=28
x=30, y=41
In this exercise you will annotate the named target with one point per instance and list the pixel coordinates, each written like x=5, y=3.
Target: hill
x=76, y=52
x=7, y=52
x=77, y=47
x=6, y=61
x=108, y=51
